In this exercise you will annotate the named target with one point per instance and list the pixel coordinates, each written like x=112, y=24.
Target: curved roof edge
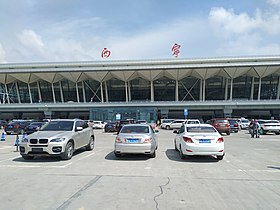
x=175, y=61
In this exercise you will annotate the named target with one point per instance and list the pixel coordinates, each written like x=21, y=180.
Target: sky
x=79, y=30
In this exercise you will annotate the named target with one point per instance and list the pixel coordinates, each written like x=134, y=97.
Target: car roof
x=136, y=125
x=196, y=125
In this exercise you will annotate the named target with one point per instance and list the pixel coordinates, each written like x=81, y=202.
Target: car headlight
x=57, y=140
x=24, y=140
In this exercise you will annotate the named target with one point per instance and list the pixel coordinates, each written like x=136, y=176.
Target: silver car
x=136, y=139
x=58, y=138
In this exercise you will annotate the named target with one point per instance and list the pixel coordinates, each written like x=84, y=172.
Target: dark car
x=33, y=127
x=221, y=124
x=3, y=123
x=111, y=127
x=121, y=123
x=16, y=126
x=234, y=126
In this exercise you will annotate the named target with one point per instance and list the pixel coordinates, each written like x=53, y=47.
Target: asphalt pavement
x=247, y=178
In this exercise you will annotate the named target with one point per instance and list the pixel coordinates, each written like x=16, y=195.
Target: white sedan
x=199, y=139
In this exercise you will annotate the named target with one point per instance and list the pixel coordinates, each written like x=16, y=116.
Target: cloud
x=274, y=2
x=229, y=22
x=31, y=40
x=2, y=54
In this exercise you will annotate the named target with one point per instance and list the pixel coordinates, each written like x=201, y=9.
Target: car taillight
x=148, y=140
x=220, y=140
x=236, y=125
x=187, y=139
x=228, y=125
x=118, y=140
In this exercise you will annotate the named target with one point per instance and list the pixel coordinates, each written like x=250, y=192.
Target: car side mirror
x=79, y=128
x=176, y=131
x=156, y=131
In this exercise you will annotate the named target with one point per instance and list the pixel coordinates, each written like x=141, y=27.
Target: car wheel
x=228, y=133
x=167, y=127
x=220, y=157
x=90, y=145
x=175, y=146
x=27, y=157
x=153, y=155
x=277, y=133
x=69, y=150
x=182, y=156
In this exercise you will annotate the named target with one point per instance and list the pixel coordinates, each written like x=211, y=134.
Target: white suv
x=58, y=138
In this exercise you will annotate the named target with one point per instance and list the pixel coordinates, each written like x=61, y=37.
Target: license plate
x=132, y=140
x=204, y=141
x=37, y=149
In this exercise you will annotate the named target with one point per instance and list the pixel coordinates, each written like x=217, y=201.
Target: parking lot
x=247, y=178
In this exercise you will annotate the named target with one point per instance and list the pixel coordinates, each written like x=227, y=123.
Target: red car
x=221, y=124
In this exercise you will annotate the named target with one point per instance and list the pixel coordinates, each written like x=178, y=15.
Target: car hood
x=50, y=134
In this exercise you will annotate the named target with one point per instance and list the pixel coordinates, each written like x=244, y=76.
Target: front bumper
x=52, y=149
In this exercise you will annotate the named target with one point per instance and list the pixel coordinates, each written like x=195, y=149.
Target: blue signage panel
x=186, y=112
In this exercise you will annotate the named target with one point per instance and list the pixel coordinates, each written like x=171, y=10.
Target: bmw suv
x=58, y=138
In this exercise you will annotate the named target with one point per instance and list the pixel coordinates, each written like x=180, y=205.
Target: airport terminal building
x=142, y=89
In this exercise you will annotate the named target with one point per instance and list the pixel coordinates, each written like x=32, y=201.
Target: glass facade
x=124, y=87
x=215, y=88
x=138, y=113
x=189, y=89
x=242, y=87
x=164, y=89
x=140, y=89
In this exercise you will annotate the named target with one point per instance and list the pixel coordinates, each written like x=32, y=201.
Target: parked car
x=192, y=121
x=272, y=126
x=58, y=138
x=244, y=123
x=199, y=139
x=176, y=124
x=98, y=125
x=165, y=123
x=136, y=139
x=221, y=124
x=3, y=123
x=234, y=126
x=16, y=126
x=121, y=123
x=33, y=127
x=111, y=127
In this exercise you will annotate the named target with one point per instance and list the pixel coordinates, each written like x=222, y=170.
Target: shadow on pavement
x=126, y=157
x=173, y=155
x=273, y=167
x=45, y=158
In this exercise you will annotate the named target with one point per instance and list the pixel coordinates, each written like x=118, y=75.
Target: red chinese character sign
x=105, y=53
x=175, y=50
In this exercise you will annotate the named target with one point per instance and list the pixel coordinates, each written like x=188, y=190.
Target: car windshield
x=272, y=121
x=201, y=129
x=222, y=121
x=167, y=121
x=135, y=129
x=36, y=124
x=58, y=126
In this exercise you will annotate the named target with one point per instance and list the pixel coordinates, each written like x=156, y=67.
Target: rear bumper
x=217, y=149
x=121, y=148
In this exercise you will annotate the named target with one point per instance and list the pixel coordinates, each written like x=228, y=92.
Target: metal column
x=61, y=91
x=77, y=92
x=259, y=91
x=39, y=91
x=30, y=96
x=53, y=94
x=177, y=90
x=152, y=91
x=18, y=96
x=101, y=90
x=231, y=89
x=252, y=88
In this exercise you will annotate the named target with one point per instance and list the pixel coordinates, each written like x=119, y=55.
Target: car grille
x=41, y=141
